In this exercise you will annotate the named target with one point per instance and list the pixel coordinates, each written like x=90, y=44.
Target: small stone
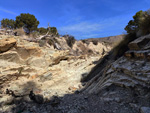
x=117, y=100
x=47, y=76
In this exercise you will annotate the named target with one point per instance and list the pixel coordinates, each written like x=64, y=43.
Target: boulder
x=6, y=44
x=139, y=43
x=58, y=56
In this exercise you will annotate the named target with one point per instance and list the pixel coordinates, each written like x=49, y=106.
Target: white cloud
x=81, y=27
x=97, y=27
x=7, y=11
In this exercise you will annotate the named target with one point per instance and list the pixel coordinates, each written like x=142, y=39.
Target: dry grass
x=19, y=32
x=34, y=34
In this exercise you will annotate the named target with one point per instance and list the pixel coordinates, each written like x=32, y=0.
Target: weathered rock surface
x=131, y=70
x=122, y=86
x=34, y=60
x=26, y=66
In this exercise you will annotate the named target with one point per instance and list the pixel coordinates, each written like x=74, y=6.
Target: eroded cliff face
x=25, y=66
x=22, y=58
x=120, y=86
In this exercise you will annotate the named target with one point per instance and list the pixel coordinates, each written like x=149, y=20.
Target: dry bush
x=19, y=32
x=42, y=43
x=85, y=50
x=85, y=41
x=34, y=34
x=50, y=42
x=70, y=40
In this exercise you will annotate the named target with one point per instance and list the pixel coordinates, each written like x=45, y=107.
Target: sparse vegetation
x=95, y=42
x=53, y=31
x=70, y=40
x=139, y=26
x=50, y=42
x=29, y=24
x=42, y=30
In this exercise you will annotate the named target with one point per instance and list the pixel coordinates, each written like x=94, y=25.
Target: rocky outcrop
x=17, y=53
x=83, y=48
x=129, y=75
x=130, y=70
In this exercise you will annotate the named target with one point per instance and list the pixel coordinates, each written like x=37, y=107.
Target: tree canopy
x=52, y=30
x=8, y=23
x=42, y=30
x=140, y=24
x=29, y=24
x=27, y=21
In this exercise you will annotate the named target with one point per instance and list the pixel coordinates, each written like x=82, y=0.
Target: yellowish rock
x=6, y=44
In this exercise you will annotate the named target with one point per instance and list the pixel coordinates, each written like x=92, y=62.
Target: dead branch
x=46, y=35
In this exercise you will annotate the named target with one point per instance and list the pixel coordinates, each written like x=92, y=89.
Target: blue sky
x=80, y=18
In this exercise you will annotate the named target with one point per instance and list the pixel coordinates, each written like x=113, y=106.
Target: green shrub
x=140, y=25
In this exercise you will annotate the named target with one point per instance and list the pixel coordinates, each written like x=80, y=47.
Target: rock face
x=34, y=60
x=130, y=70
x=122, y=86
x=127, y=79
